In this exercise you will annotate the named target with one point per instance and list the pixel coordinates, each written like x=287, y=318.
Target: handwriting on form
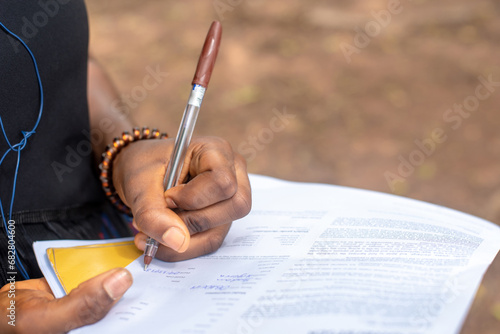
x=210, y=287
x=166, y=272
x=236, y=278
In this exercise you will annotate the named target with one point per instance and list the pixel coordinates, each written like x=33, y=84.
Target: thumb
x=155, y=219
x=89, y=302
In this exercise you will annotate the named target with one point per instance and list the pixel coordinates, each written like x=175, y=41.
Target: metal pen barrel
x=181, y=145
x=200, y=82
x=182, y=141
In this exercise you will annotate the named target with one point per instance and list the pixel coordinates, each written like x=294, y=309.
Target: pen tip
x=145, y=267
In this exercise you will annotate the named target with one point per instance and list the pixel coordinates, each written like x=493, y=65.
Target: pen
x=200, y=82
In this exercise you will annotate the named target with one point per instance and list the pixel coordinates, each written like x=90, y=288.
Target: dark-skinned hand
x=193, y=218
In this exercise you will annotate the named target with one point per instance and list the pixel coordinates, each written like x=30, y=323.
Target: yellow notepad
x=74, y=265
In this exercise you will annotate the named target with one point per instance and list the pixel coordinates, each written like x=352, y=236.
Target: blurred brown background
x=358, y=93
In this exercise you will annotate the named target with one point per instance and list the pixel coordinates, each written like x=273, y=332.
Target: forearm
x=106, y=121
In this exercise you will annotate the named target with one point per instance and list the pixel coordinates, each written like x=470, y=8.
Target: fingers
x=153, y=217
x=213, y=176
x=207, y=201
x=201, y=244
x=203, y=190
x=217, y=191
x=208, y=225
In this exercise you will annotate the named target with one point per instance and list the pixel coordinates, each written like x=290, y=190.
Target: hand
x=37, y=310
x=193, y=218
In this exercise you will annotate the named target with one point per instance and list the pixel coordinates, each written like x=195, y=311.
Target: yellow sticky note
x=74, y=265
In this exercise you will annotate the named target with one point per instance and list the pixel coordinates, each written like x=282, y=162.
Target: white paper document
x=318, y=259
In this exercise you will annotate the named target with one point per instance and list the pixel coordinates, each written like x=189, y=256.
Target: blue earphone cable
x=19, y=147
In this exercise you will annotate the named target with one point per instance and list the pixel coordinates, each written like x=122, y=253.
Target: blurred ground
x=305, y=94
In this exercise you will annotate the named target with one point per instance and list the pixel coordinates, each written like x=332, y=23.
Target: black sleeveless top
x=56, y=170
x=57, y=182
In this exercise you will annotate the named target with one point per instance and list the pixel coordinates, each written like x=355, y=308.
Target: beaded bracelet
x=110, y=154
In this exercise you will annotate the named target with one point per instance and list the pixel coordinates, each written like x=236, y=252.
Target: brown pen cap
x=208, y=55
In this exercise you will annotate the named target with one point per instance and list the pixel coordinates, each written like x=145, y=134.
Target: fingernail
x=118, y=283
x=174, y=238
x=170, y=203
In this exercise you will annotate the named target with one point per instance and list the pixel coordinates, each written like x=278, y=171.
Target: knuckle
x=199, y=200
x=226, y=183
x=196, y=224
x=242, y=204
